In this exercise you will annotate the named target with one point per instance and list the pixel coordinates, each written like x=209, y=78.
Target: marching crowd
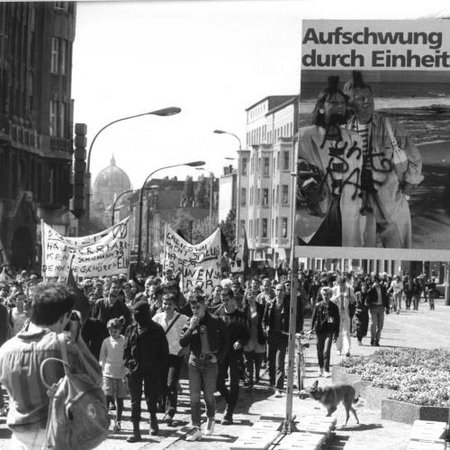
x=142, y=332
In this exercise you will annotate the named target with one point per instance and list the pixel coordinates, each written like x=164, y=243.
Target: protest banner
x=100, y=254
x=199, y=264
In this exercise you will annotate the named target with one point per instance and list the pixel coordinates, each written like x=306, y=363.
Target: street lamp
x=116, y=200
x=141, y=200
x=238, y=195
x=170, y=111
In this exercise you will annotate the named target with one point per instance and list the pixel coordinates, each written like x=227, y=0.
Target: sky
x=213, y=59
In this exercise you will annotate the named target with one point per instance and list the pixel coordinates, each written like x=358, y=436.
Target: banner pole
x=43, y=252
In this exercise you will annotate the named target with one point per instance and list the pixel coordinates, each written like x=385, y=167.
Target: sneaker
x=320, y=373
x=210, y=427
x=360, y=343
x=377, y=343
x=327, y=374
x=278, y=393
x=227, y=419
x=117, y=427
x=372, y=342
x=194, y=435
x=168, y=419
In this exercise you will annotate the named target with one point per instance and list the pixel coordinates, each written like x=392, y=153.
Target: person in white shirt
x=172, y=322
x=113, y=368
x=397, y=291
x=343, y=295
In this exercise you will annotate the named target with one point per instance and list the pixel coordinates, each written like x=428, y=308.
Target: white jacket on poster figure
x=342, y=299
x=310, y=217
x=391, y=217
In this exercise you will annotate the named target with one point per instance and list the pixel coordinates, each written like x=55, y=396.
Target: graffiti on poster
x=100, y=254
x=198, y=264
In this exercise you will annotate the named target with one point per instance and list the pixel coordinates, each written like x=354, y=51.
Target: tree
x=228, y=227
x=202, y=193
x=187, y=198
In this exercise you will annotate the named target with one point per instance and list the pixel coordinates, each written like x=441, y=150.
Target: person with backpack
x=51, y=315
x=111, y=360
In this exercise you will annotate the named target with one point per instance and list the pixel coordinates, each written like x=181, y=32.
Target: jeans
x=277, y=355
x=230, y=395
x=377, y=315
x=324, y=341
x=152, y=391
x=202, y=375
x=170, y=389
x=398, y=300
x=253, y=363
x=31, y=438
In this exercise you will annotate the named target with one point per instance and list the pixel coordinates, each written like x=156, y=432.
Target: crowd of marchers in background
x=143, y=332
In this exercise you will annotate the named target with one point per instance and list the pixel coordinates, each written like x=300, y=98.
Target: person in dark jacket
x=325, y=323
x=208, y=340
x=361, y=312
x=276, y=325
x=238, y=335
x=378, y=301
x=146, y=355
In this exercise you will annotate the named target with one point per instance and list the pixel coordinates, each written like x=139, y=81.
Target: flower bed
x=416, y=376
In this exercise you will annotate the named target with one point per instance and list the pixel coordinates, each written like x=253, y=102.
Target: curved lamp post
x=141, y=200
x=238, y=174
x=170, y=111
x=116, y=200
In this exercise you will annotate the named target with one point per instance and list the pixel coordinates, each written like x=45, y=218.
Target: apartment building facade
x=266, y=183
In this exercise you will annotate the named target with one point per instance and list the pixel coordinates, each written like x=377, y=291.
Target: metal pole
x=115, y=202
x=288, y=424
x=211, y=180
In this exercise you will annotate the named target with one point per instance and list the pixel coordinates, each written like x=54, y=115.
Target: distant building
x=227, y=192
x=108, y=185
x=36, y=115
x=265, y=177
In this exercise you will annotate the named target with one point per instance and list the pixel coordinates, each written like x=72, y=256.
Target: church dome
x=109, y=184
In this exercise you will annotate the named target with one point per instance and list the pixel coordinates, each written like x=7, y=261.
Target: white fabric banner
x=199, y=264
x=101, y=254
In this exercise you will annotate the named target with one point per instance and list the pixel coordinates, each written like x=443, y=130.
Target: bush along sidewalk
x=417, y=376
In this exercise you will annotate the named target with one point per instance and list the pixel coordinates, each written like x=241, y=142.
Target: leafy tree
x=187, y=197
x=202, y=192
x=228, y=227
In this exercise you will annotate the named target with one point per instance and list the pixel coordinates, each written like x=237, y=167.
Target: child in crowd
x=113, y=367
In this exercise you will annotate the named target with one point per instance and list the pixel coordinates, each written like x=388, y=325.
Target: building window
x=284, y=227
x=63, y=56
x=273, y=196
x=250, y=227
x=54, y=64
x=265, y=198
x=285, y=160
x=61, y=119
x=53, y=126
x=277, y=198
x=243, y=196
x=256, y=228
x=251, y=195
x=258, y=196
x=277, y=232
x=62, y=6
x=242, y=229
x=284, y=194
x=266, y=170
x=264, y=228
x=244, y=167
x=273, y=228
x=278, y=160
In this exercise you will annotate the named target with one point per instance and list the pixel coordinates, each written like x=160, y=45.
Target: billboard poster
x=373, y=167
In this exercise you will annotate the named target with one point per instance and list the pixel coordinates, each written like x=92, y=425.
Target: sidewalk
x=423, y=328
